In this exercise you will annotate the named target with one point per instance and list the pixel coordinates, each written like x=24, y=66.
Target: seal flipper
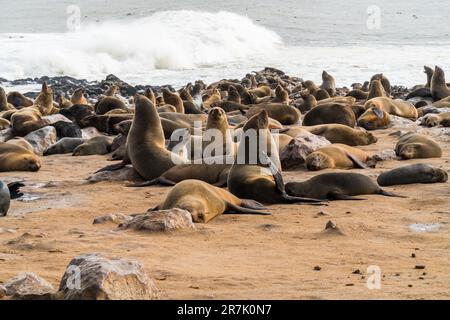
x=14, y=189
x=390, y=194
x=234, y=208
x=358, y=163
x=161, y=180
x=279, y=183
x=113, y=167
x=340, y=196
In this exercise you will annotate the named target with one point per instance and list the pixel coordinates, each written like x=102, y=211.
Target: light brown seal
x=338, y=156
x=17, y=158
x=415, y=146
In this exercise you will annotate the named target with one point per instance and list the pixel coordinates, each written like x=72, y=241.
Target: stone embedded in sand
x=2, y=291
x=28, y=285
x=125, y=174
x=332, y=228
x=117, y=218
x=54, y=118
x=298, y=149
x=93, y=277
x=6, y=135
x=163, y=220
x=42, y=139
x=384, y=155
x=90, y=132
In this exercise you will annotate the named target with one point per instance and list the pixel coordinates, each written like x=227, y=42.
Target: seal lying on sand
x=336, y=186
x=206, y=202
x=17, y=158
x=414, y=173
x=337, y=156
x=414, y=146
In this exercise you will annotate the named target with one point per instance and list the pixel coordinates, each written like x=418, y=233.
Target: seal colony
x=200, y=132
x=362, y=151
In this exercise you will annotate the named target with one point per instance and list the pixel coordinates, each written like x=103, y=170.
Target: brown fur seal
x=217, y=121
x=104, y=123
x=214, y=174
x=77, y=112
x=261, y=91
x=17, y=158
x=281, y=95
x=146, y=144
x=321, y=94
x=78, y=97
x=18, y=100
x=396, y=107
x=259, y=178
x=384, y=81
x=206, y=202
x=281, y=112
x=19, y=141
x=233, y=95
x=328, y=83
x=414, y=173
x=308, y=101
x=358, y=94
x=4, y=105
x=111, y=91
x=109, y=103
x=414, y=146
x=337, y=156
x=173, y=99
x=311, y=86
x=27, y=120
x=374, y=118
x=433, y=120
x=97, y=145
x=376, y=90
x=336, y=186
x=44, y=101
x=438, y=87
x=64, y=145
x=338, y=133
x=330, y=113
x=149, y=94
x=63, y=103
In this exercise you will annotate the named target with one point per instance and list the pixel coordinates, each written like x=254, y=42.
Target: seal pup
x=17, y=158
x=415, y=146
x=64, y=145
x=374, y=118
x=337, y=156
x=97, y=145
x=438, y=87
x=414, y=173
x=78, y=97
x=146, y=144
x=67, y=129
x=63, y=102
x=259, y=179
x=206, y=202
x=336, y=186
x=77, y=112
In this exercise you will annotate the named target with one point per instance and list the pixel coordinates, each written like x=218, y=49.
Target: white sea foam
x=170, y=40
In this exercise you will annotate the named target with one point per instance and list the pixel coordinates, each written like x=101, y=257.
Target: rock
x=419, y=266
x=384, y=155
x=2, y=291
x=317, y=268
x=117, y=218
x=296, y=151
x=332, y=228
x=41, y=139
x=105, y=279
x=163, y=220
x=6, y=135
x=29, y=286
x=90, y=132
x=402, y=123
x=5, y=230
x=357, y=271
x=125, y=174
x=53, y=118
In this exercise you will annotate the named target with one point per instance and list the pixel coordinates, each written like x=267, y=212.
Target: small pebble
x=317, y=268
x=419, y=266
x=413, y=255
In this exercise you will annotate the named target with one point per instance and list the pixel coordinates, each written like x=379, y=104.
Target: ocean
x=174, y=42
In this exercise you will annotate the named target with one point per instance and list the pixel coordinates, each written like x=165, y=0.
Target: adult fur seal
x=336, y=186
x=337, y=156
x=17, y=158
x=173, y=99
x=330, y=113
x=384, y=82
x=105, y=123
x=4, y=105
x=27, y=120
x=374, y=118
x=414, y=146
x=18, y=100
x=328, y=83
x=414, y=173
x=109, y=103
x=285, y=114
x=338, y=133
x=77, y=112
x=146, y=144
x=78, y=97
x=438, y=87
x=206, y=202
x=259, y=178
x=396, y=107
x=214, y=174
x=376, y=90
x=8, y=192
x=44, y=101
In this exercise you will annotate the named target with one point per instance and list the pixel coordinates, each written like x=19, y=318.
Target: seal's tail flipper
x=14, y=189
x=112, y=167
x=161, y=180
x=356, y=162
x=340, y=196
x=279, y=183
x=390, y=194
x=234, y=208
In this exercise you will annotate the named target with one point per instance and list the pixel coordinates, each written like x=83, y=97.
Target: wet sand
x=238, y=256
